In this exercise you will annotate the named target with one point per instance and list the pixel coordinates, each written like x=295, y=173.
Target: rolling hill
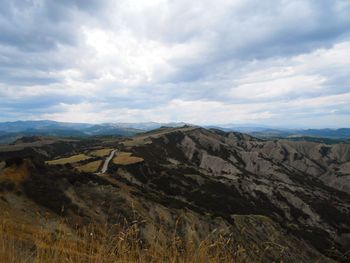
x=279, y=200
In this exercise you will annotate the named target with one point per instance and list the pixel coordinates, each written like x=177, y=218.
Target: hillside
x=10, y=131
x=275, y=200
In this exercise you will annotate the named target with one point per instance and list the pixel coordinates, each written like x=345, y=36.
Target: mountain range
x=10, y=131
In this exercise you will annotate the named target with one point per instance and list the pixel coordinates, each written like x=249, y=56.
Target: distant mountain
x=337, y=133
x=21, y=126
x=273, y=132
x=146, y=126
x=10, y=131
x=110, y=129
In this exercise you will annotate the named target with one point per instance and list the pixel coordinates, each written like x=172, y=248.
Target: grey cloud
x=40, y=25
x=40, y=39
x=264, y=29
x=37, y=104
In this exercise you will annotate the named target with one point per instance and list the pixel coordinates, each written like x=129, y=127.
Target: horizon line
x=222, y=125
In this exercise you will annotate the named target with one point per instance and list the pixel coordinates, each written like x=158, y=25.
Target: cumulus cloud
x=204, y=62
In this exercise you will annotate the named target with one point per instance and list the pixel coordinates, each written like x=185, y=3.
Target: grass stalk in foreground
x=19, y=244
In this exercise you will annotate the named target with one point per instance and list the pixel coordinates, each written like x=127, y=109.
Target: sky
x=272, y=62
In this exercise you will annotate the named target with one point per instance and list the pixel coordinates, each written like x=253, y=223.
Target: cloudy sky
x=273, y=62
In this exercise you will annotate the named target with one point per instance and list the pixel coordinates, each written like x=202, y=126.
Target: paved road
x=108, y=159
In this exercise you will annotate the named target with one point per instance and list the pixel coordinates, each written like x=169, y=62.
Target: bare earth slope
x=279, y=200
x=302, y=186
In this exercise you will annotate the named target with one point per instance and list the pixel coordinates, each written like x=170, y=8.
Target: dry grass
x=71, y=159
x=125, y=158
x=107, y=245
x=91, y=167
x=15, y=174
x=101, y=153
x=2, y=165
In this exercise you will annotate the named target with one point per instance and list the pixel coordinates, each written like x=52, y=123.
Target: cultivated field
x=71, y=159
x=125, y=158
x=101, y=152
x=91, y=167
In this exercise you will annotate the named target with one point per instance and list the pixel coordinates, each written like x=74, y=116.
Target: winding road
x=106, y=163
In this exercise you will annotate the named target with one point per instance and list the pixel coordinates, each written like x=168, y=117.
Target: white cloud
x=200, y=61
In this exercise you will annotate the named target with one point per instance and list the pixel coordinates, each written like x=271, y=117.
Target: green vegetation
x=325, y=151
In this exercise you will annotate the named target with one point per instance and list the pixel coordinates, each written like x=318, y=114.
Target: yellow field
x=71, y=159
x=125, y=158
x=124, y=154
x=101, y=152
x=90, y=167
